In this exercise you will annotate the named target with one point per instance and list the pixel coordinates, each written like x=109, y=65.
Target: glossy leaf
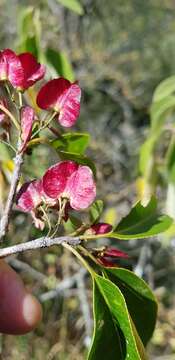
x=96, y=210
x=114, y=336
x=141, y=222
x=73, y=5
x=140, y=301
x=72, y=142
x=60, y=63
x=106, y=340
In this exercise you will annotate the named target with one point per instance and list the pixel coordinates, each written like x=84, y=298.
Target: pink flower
x=108, y=256
x=27, y=119
x=72, y=181
x=10, y=67
x=63, y=97
x=32, y=70
x=29, y=196
x=100, y=228
x=22, y=71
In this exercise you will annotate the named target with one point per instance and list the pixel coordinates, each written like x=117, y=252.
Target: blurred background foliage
x=119, y=51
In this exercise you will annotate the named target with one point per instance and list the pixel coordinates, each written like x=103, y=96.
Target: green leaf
x=29, y=30
x=139, y=298
x=80, y=159
x=95, y=211
x=142, y=222
x=159, y=112
x=30, y=45
x=4, y=152
x=73, y=5
x=72, y=142
x=106, y=340
x=170, y=162
x=114, y=335
x=60, y=63
x=146, y=154
x=72, y=224
x=164, y=89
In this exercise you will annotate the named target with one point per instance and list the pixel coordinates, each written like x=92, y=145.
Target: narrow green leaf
x=159, y=112
x=164, y=89
x=141, y=222
x=139, y=298
x=59, y=61
x=124, y=336
x=170, y=162
x=73, y=5
x=72, y=142
x=95, y=211
x=146, y=154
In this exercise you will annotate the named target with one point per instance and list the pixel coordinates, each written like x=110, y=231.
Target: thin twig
x=62, y=286
x=24, y=267
x=14, y=183
x=142, y=260
x=10, y=115
x=39, y=243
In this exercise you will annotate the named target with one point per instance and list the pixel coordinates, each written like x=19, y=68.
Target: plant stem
x=77, y=254
x=20, y=99
x=9, y=114
x=91, y=237
x=14, y=183
x=45, y=124
x=38, y=244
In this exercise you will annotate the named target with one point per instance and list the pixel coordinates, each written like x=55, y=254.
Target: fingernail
x=31, y=310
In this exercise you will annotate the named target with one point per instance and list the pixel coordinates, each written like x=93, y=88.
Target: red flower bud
x=108, y=256
x=63, y=97
x=100, y=228
x=27, y=119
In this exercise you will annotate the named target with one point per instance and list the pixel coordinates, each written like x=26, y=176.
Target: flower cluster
x=22, y=71
x=65, y=180
x=67, y=185
x=58, y=95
